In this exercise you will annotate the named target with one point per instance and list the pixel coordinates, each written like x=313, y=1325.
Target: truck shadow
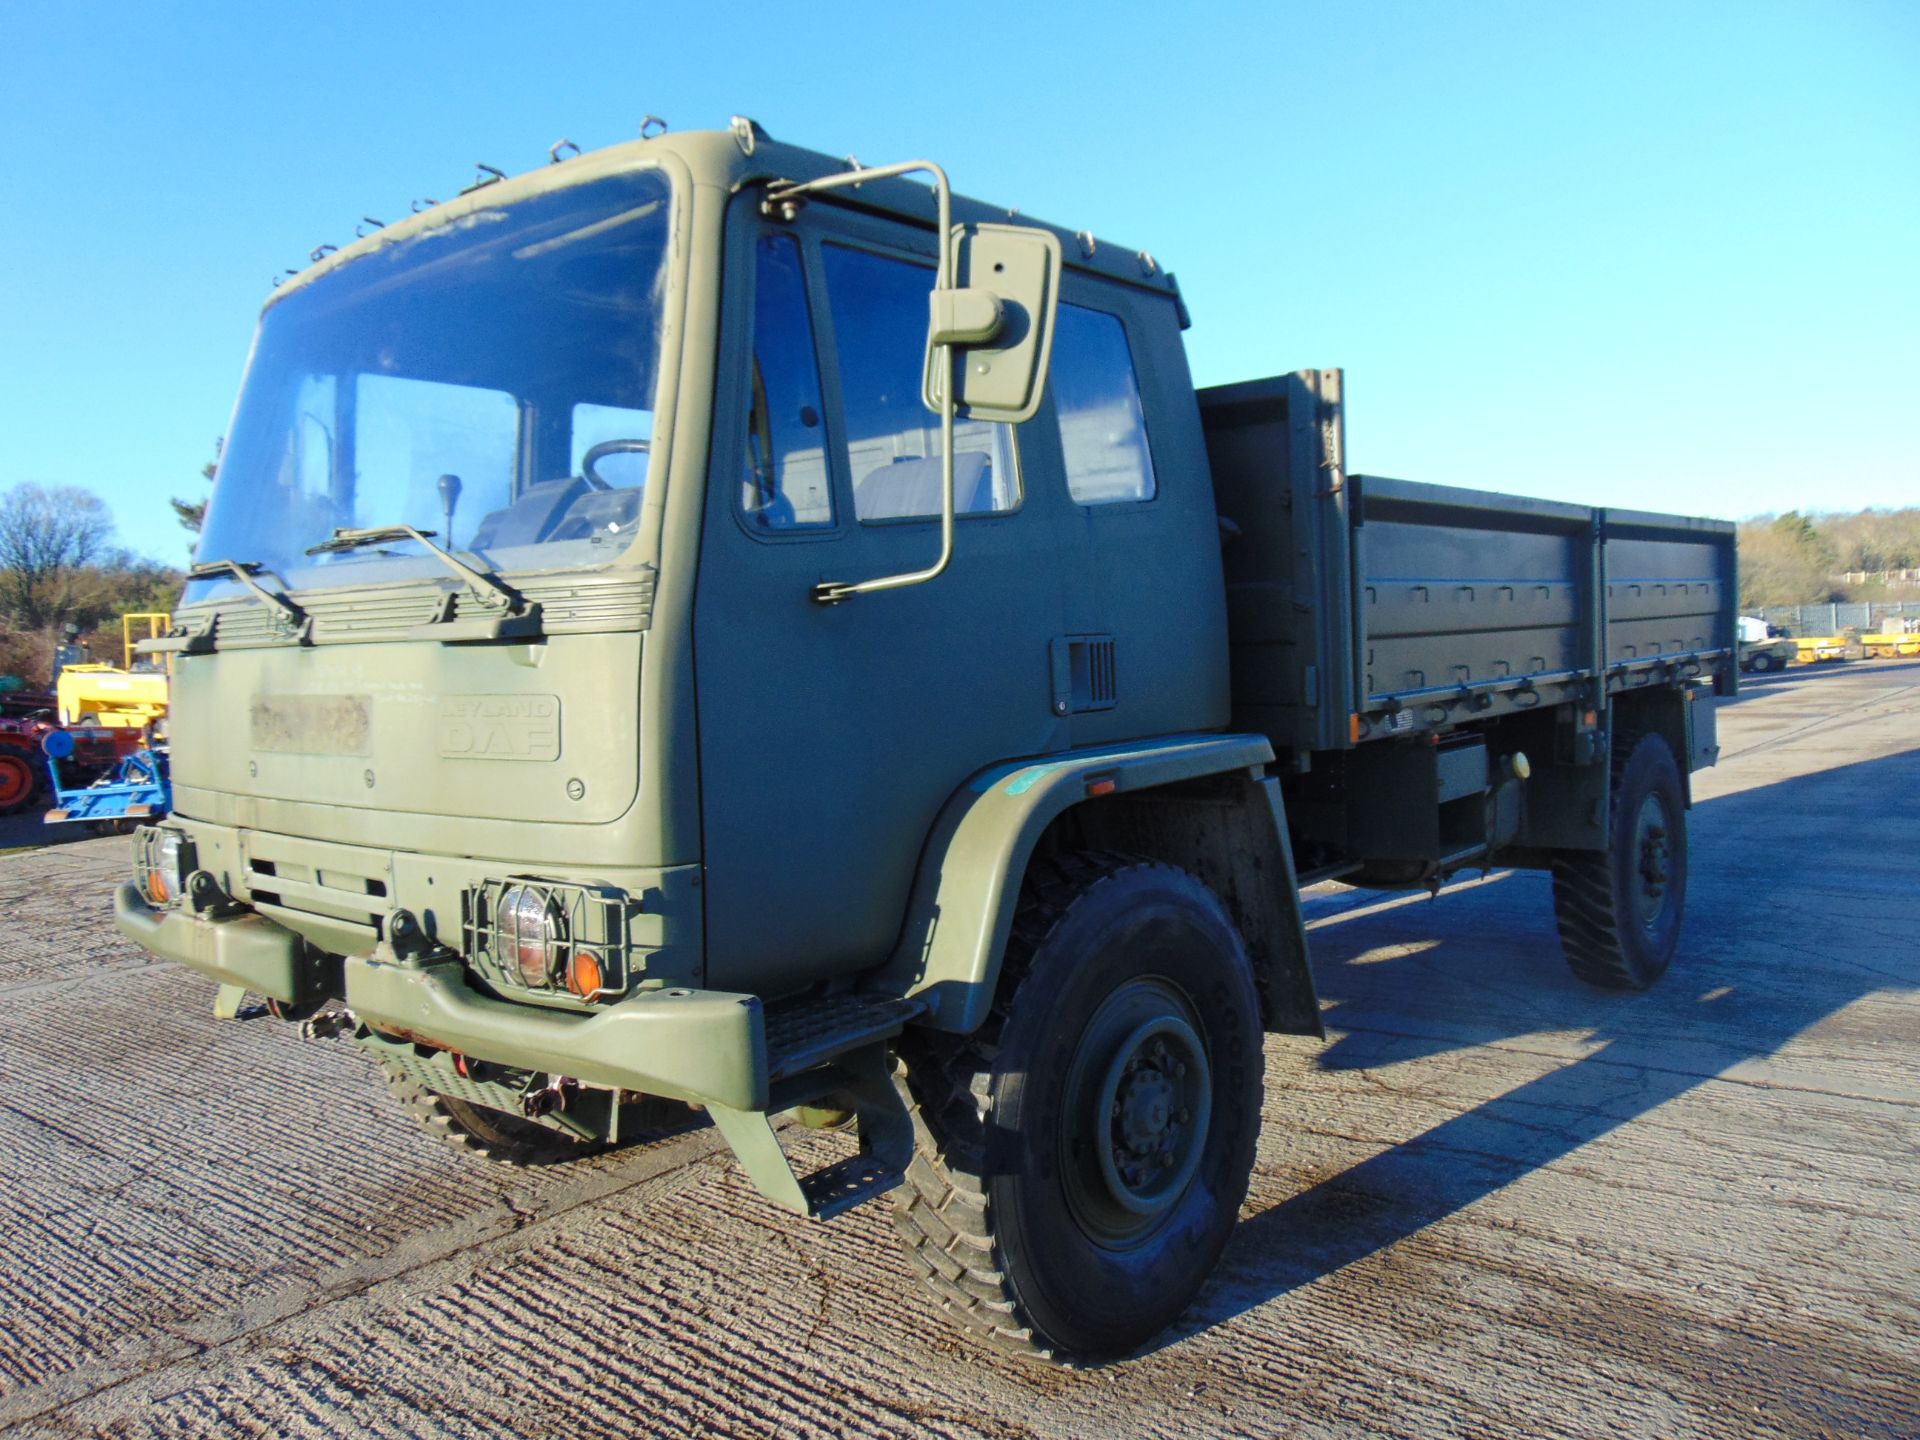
x=1483, y=967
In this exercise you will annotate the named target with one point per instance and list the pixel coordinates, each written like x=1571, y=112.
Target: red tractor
x=25, y=720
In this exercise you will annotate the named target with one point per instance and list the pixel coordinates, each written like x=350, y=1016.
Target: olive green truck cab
x=702, y=627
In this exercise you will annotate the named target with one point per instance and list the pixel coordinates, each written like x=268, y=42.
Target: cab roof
x=734, y=160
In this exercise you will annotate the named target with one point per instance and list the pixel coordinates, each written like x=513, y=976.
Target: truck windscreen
x=490, y=380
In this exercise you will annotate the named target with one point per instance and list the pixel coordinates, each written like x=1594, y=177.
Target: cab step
x=832, y=1046
x=805, y=1035
x=847, y=1183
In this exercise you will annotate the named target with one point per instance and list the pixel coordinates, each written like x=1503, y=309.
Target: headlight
x=550, y=935
x=161, y=861
x=530, y=928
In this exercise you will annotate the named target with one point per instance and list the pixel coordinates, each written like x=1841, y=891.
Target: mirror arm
x=832, y=592
x=780, y=200
x=781, y=192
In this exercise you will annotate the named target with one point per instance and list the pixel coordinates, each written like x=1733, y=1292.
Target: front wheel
x=478, y=1130
x=1082, y=1158
x=1619, y=909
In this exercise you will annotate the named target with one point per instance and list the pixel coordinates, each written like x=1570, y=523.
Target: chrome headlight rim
x=531, y=927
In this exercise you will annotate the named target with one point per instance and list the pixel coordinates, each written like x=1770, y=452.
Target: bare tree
x=47, y=538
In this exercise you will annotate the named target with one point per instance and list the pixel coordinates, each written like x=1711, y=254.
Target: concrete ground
x=1496, y=1204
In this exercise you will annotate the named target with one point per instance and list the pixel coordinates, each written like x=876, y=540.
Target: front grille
x=588, y=920
x=340, y=882
x=570, y=602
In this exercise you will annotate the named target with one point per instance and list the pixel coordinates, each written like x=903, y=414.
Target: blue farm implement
x=130, y=786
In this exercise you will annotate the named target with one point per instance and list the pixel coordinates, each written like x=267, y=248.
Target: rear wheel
x=1081, y=1159
x=1619, y=909
x=19, y=779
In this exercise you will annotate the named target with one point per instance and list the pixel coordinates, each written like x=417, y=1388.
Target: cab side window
x=1103, y=432
x=879, y=310
x=784, y=484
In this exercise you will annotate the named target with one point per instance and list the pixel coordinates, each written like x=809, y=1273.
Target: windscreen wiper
x=197, y=637
x=491, y=591
x=244, y=570
x=504, y=612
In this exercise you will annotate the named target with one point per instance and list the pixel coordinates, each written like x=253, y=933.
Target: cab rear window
x=1103, y=431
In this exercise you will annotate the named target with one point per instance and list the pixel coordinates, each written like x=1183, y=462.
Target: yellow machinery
x=1889, y=647
x=1824, y=647
x=118, y=696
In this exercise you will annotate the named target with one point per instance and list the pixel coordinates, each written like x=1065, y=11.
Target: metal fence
x=1894, y=615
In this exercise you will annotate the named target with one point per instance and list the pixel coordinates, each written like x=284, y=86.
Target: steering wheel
x=600, y=452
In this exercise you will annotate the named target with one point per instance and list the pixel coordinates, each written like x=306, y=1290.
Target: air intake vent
x=1084, y=674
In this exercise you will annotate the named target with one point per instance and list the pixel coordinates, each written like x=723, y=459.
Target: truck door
x=1139, y=546
x=832, y=735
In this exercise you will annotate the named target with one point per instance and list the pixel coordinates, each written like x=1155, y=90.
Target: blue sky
x=1650, y=255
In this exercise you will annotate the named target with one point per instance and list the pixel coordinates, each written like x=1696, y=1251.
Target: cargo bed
x=1360, y=607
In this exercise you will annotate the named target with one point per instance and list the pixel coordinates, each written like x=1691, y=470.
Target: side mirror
x=996, y=323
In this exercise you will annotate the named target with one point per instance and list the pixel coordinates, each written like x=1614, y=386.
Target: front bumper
x=707, y=1046
x=245, y=950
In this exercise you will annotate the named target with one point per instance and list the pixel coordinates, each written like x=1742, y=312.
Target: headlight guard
x=548, y=937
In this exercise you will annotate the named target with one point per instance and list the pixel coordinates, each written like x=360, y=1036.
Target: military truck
x=710, y=628
x=1764, y=647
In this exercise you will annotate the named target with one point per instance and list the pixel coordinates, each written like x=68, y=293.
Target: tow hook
x=328, y=1025
x=554, y=1096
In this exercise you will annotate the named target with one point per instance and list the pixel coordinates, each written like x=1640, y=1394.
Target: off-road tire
x=1597, y=894
x=493, y=1134
x=986, y=1213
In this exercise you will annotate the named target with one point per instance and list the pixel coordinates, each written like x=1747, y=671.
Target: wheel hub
x=1139, y=1096
x=1653, y=860
x=1146, y=1100
x=1653, y=848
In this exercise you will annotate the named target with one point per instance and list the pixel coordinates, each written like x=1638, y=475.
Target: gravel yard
x=1497, y=1203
